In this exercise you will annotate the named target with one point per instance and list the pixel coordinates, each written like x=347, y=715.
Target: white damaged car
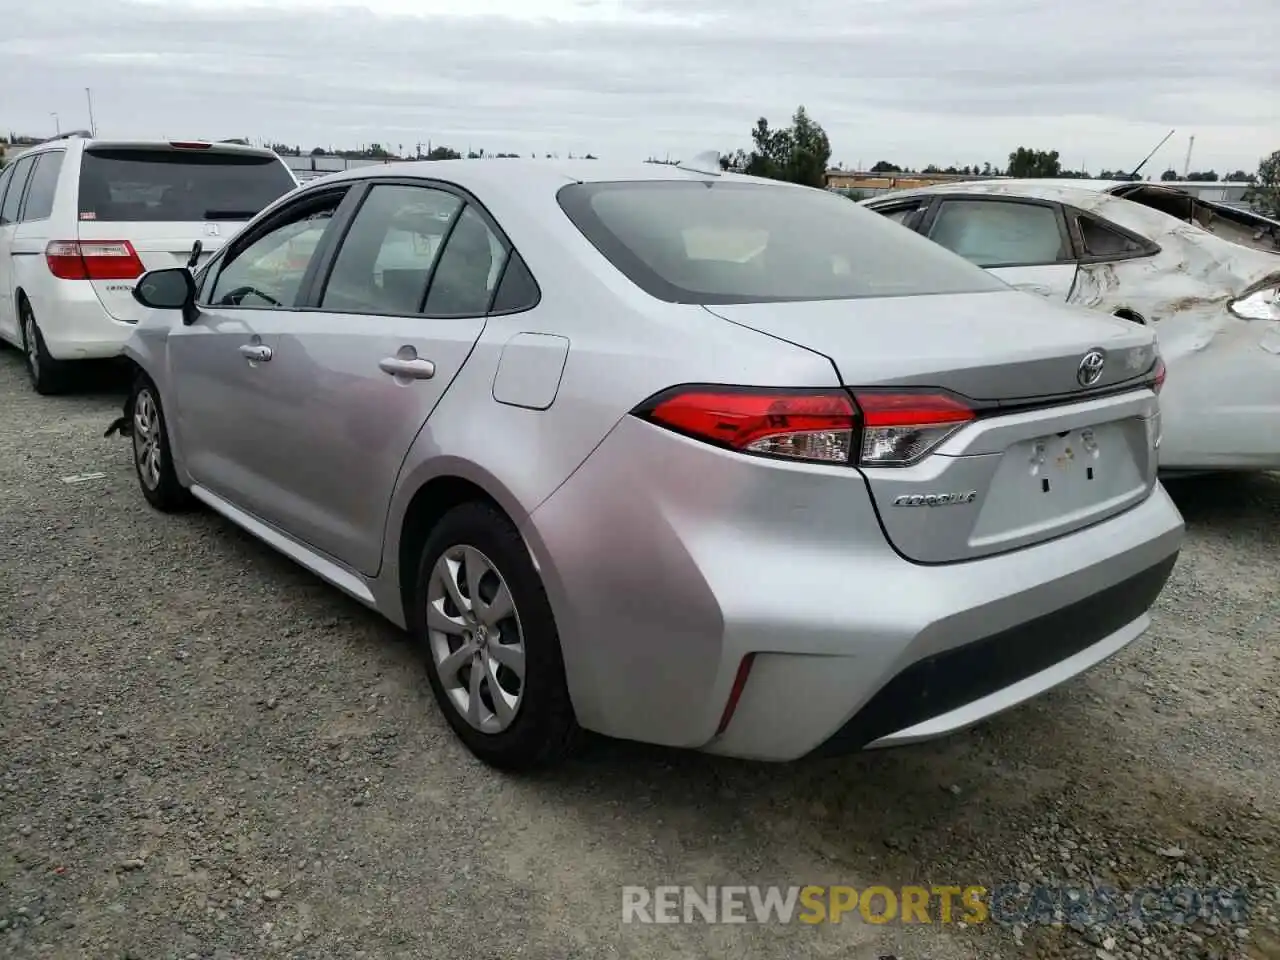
x=1205, y=275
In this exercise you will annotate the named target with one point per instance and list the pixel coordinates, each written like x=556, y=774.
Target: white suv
x=82, y=219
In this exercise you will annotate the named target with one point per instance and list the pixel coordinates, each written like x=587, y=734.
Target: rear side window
x=13, y=196
x=1099, y=240
x=132, y=184
x=517, y=290
x=42, y=185
x=732, y=242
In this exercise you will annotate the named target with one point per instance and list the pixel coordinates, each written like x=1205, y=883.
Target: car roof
x=551, y=174
x=1057, y=188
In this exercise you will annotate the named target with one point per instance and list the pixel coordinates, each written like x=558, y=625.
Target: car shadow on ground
x=1247, y=502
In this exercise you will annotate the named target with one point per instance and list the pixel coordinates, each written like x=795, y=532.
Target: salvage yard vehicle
x=1204, y=275
x=81, y=219
x=665, y=453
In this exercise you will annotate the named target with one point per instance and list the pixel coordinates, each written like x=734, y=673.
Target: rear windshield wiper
x=229, y=214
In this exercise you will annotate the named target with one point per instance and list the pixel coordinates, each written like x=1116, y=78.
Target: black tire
x=544, y=730
x=49, y=376
x=152, y=458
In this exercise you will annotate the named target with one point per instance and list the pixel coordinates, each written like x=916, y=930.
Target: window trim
x=29, y=159
x=26, y=190
x=361, y=189
x=912, y=220
x=271, y=221
x=925, y=226
x=1148, y=248
x=6, y=178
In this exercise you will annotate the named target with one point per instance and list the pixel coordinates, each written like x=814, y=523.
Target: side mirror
x=172, y=288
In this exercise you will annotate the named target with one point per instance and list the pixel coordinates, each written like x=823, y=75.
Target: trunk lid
x=1045, y=455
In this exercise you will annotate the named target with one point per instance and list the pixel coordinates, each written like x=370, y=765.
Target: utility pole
x=1186, y=165
x=57, y=125
x=93, y=127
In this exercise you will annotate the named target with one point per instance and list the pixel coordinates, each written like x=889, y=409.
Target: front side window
x=13, y=197
x=726, y=241
x=1000, y=233
x=270, y=270
x=40, y=190
x=387, y=255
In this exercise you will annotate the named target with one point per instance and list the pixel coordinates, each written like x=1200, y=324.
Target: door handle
x=417, y=369
x=255, y=351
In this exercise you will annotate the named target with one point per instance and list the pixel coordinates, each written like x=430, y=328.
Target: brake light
x=814, y=425
x=901, y=428
x=871, y=428
x=93, y=260
x=1157, y=380
x=189, y=145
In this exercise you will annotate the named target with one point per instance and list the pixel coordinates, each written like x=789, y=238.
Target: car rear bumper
x=76, y=326
x=667, y=562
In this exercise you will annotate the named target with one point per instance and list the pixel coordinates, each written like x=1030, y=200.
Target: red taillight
x=900, y=428
x=881, y=428
x=189, y=145
x=1157, y=380
x=735, y=692
x=814, y=425
x=93, y=260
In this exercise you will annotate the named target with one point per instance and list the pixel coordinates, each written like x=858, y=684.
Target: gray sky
x=910, y=81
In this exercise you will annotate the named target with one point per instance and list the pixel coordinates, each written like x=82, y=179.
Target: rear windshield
x=168, y=186
x=735, y=242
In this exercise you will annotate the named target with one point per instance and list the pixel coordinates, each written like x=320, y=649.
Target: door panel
x=226, y=395
x=223, y=401
x=13, y=181
x=364, y=372
x=1051, y=280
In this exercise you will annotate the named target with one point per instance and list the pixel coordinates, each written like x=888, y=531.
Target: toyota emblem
x=1090, y=370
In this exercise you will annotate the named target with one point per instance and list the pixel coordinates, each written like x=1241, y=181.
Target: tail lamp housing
x=872, y=428
x=93, y=260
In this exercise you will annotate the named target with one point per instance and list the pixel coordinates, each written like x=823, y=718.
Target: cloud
x=930, y=81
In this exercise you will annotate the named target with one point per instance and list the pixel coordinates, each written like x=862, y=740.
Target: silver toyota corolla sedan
x=663, y=453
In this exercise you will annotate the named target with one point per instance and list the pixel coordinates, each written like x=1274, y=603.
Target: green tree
x=1026, y=162
x=800, y=153
x=884, y=166
x=1265, y=197
x=1169, y=175
x=1239, y=176
x=1203, y=176
x=443, y=153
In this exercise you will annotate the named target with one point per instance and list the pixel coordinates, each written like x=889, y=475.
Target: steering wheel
x=236, y=296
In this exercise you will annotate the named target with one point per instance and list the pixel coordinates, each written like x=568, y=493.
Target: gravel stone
x=287, y=787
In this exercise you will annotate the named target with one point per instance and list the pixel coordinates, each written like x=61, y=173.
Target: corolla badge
x=935, y=499
x=1090, y=370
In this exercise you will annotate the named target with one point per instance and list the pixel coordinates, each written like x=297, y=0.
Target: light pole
x=93, y=127
x=57, y=125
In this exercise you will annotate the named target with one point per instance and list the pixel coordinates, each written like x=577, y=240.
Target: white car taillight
x=900, y=429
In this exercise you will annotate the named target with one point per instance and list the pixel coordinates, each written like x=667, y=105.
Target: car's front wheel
x=152, y=457
x=494, y=661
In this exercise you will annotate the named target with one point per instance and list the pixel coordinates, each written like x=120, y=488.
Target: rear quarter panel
x=624, y=346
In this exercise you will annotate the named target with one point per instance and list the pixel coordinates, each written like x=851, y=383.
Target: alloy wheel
x=475, y=638
x=31, y=343
x=146, y=438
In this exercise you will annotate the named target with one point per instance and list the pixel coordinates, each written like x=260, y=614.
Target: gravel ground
x=206, y=752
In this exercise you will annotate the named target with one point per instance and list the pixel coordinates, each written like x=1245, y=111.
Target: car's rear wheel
x=48, y=375
x=494, y=661
x=152, y=458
